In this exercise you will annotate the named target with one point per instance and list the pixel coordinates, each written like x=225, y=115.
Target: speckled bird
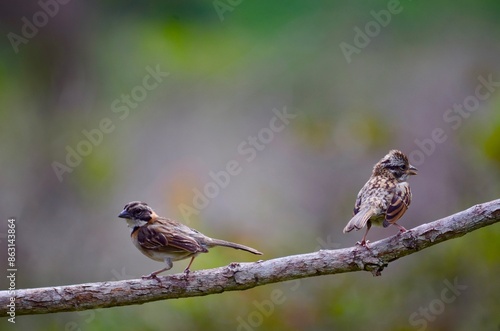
x=385, y=197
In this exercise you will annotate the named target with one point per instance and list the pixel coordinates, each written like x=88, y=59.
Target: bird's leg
x=401, y=229
x=364, y=242
x=187, y=271
x=152, y=275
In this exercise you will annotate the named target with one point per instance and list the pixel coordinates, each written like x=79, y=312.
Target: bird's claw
x=363, y=243
x=151, y=276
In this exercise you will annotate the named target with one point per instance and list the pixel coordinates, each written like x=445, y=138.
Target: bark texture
x=242, y=276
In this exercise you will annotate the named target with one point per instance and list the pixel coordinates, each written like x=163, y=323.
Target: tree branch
x=242, y=276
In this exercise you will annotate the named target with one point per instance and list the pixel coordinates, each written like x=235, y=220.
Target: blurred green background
x=411, y=68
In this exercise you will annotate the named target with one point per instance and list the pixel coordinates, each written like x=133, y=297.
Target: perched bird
x=386, y=195
x=166, y=240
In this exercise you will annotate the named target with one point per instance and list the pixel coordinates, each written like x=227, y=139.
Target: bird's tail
x=359, y=220
x=218, y=242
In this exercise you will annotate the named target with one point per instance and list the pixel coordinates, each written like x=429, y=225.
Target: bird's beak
x=125, y=214
x=412, y=170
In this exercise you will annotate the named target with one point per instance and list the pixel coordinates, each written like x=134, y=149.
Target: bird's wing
x=401, y=199
x=166, y=238
x=359, y=199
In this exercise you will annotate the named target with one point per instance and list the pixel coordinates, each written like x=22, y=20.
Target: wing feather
x=161, y=237
x=401, y=199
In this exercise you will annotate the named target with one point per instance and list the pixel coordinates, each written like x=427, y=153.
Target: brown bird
x=166, y=240
x=386, y=195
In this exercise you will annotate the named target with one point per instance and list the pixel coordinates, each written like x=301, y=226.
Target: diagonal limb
x=365, y=242
x=401, y=229
x=187, y=271
x=152, y=275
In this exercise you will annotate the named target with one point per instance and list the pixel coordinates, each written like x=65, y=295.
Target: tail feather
x=359, y=220
x=218, y=242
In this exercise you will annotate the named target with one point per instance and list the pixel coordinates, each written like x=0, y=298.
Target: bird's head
x=137, y=213
x=395, y=164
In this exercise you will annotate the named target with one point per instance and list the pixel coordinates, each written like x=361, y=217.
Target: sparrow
x=386, y=195
x=165, y=240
